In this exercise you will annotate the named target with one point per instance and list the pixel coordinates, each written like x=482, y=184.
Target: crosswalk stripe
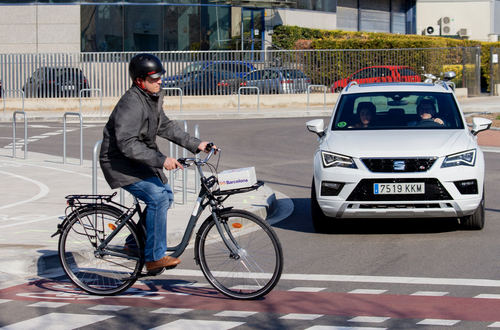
x=328, y=327
x=4, y=300
x=198, y=325
x=438, y=322
x=369, y=319
x=235, y=314
x=368, y=291
x=57, y=321
x=306, y=289
x=48, y=304
x=298, y=316
x=113, y=308
x=488, y=296
x=175, y=311
x=429, y=293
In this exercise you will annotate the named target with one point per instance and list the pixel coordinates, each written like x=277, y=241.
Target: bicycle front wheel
x=257, y=266
x=105, y=271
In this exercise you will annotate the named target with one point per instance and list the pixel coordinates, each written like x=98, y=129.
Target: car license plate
x=68, y=87
x=399, y=188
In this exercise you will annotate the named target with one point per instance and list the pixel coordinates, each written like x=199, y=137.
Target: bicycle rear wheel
x=106, y=272
x=255, y=270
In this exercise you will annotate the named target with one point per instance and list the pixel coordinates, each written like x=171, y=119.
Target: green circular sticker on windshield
x=342, y=124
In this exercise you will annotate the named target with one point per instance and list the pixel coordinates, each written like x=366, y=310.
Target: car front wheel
x=320, y=221
x=474, y=221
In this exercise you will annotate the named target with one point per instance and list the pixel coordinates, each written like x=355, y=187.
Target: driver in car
x=427, y=115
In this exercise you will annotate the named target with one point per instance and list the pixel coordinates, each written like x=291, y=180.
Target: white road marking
x=429, y=293
x=369, y=319
x=306, y=289
x=57, y=321
x=494, y=325
x=235, y=314
x=4, y=300
x=48, y=304
x=448, y=323
x=488, y=296
x=367, y=291
x=44, y=190
x=297, y=316
x=198, y=325
x=114, y=308
x=328, y=327
x=175, y=311
x=50, y=217
x=359, y=278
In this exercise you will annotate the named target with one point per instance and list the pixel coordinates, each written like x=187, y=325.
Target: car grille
x=398, y=164
x=434, y=190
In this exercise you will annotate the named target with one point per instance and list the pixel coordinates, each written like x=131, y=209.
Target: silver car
x=277, y=81
x=398, y=150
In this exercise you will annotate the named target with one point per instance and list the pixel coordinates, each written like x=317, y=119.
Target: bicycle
x=101, y=247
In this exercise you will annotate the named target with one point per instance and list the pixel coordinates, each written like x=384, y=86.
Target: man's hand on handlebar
x=171, y=164
x=207, y=146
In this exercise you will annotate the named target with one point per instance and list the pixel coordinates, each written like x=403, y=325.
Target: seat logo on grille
x=398, y=165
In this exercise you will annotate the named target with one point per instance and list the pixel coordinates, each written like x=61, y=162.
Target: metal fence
x=494, y=82
x=66, y=75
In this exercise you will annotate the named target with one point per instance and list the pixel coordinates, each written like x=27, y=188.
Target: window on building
x=321, y=5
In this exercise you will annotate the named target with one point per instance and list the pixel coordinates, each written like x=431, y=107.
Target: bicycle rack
x=184, y=174
x=324, y=94
x=94, y=166
x=181, y=93
x=14, y=133
x=249, y=87
x=11, y=90
x=91, y=90
x=171, y=177
x=79, y=115
x=196, y=174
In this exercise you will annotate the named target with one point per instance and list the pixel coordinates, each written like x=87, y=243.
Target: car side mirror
x=316, y=126
x=480, y=124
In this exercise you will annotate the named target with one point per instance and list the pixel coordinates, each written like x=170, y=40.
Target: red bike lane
x=276, y=302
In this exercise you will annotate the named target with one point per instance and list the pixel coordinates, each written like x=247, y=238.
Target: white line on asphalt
x=13, y=224
x=59, y=321
x=361, y=278
x=44, y=190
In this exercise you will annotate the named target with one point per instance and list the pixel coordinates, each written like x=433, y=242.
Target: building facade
x=42, y=26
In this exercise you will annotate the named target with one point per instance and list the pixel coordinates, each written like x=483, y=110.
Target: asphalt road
x=387, y=251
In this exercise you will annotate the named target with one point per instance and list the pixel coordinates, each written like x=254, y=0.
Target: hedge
x=293, y=37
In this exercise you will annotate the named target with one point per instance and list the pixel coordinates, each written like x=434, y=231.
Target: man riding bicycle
x=131, y=159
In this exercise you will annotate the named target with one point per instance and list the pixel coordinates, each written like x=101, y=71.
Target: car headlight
x=331, y=159
x=466, y=158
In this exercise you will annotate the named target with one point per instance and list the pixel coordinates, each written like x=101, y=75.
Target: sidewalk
x=33, y=203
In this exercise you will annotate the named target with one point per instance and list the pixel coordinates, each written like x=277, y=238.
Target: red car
x=379, y=73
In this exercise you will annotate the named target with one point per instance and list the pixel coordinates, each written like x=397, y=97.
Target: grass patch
x=498, y=117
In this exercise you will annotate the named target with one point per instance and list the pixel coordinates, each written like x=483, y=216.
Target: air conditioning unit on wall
x=431, y=30
x=447, y=26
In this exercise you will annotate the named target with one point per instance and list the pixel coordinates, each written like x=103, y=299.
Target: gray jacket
x=129, y=152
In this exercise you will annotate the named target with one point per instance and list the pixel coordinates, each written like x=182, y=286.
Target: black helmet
x=145, y=65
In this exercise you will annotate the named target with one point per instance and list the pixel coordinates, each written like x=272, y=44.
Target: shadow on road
x=300, y=220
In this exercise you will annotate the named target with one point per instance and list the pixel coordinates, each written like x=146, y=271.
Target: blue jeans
x=158, y=198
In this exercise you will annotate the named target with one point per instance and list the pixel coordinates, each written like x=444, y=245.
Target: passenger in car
x=427, y=115
x=366, y=113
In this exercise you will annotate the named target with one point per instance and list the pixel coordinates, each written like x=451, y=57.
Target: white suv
x=398, y=150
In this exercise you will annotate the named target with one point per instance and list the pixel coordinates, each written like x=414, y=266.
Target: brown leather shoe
x=166, y=261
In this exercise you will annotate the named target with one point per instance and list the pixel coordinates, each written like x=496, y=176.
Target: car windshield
x=397, y=110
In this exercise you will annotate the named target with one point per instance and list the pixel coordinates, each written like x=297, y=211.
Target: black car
x=203, y=82
x=56, y=82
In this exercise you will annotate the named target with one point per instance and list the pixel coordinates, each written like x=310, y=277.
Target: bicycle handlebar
x=186, y=162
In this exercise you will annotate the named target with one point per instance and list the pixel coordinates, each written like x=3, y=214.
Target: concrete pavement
x=33, y=203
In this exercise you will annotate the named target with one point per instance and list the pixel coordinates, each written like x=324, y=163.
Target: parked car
x=380, y=73
x=203, y=82
x=401, y=163
x=269, y=81
x=56, y=82
x=239, y=68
